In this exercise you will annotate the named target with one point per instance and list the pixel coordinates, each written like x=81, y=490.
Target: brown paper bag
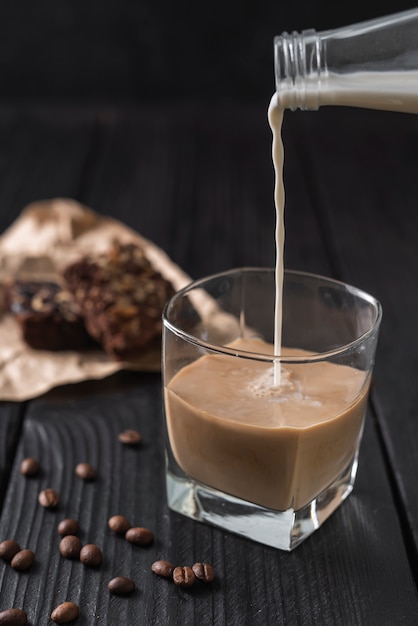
x=45, y=238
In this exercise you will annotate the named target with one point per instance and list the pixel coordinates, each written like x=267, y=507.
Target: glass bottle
x=372, y=64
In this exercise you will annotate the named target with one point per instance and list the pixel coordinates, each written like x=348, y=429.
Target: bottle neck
x=298, y=64
x=372, y=64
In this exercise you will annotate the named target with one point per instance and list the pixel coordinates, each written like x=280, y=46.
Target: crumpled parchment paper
x=45, y=238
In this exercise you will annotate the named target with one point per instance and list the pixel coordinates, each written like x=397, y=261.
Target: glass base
x=280, y=529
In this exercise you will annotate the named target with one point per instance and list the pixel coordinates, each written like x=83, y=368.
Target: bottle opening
x=297, y=62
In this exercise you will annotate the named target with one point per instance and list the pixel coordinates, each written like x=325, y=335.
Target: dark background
x=134, y=49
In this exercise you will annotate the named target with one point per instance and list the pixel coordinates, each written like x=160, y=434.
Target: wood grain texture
x=333, y=575
x=198, y=181
x=11, y=417
x=366, y=198
x=150, y=49
x=43, y=155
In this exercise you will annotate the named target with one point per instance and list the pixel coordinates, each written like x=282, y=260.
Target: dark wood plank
x=340, y=575
x=11, y=416
x=148, y=49
x=42, y=155
x=361, y=170
x=208, y=158
x=198, y=180
x=181, y=176
x=223, y=159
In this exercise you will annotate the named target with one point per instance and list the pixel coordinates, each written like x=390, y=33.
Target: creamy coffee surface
x=231, y=429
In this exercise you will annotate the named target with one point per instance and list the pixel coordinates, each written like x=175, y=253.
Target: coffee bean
x=119, y=524
x=13, y=617
x=85, y=471
x=91, y=555
x=65, y=613
x=121, y=585
x=8, y=548
x=163, y=568
x=140, y=536
x=29, y=467
x=130, y=437
x=204, y=572
x=70, y=547
x=68, y=527
x=49, y=498
x=22, y=560
x=184, y=576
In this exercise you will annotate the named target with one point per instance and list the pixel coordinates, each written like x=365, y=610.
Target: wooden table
x=197, y=179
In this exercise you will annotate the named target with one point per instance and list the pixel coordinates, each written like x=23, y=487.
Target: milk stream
x=392, y=91
x=275, y=116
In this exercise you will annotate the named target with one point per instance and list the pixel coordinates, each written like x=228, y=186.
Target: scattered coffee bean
x=13, y=617
x=130, y=437
x=49, y=498
x=85, y=471
x=121, y=585
x=140, y=536
x=70, y=547
x=29, y=467
x=8, y=548
x=204, y=572
x=163, y=568
x=68, y=527
x=119, y=524
x=183, y=576
x=22, y=560
x=65, y=613
x=91, y=555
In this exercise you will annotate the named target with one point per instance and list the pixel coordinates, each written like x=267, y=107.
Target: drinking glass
x=260, y=444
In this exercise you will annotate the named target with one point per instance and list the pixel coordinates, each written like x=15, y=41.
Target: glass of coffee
x=261, y=444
